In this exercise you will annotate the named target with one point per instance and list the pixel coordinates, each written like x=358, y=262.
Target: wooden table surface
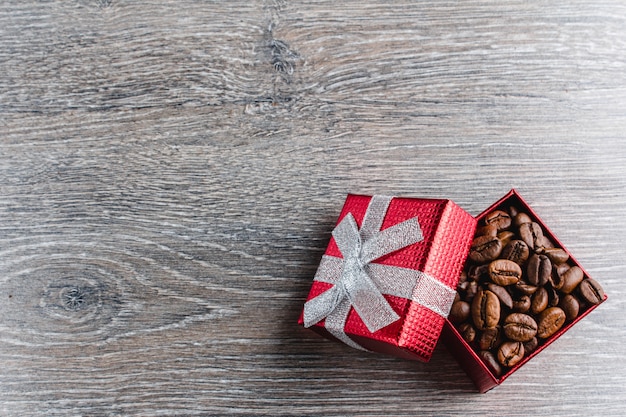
x=170, y=172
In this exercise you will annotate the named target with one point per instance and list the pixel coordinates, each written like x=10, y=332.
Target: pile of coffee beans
x=517, y=290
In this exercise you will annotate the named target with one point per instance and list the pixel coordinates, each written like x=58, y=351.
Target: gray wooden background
x=170, y=172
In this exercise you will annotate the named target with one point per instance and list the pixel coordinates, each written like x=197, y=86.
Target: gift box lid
x=389, y=274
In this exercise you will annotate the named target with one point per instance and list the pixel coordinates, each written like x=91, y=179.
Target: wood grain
x=170, y=173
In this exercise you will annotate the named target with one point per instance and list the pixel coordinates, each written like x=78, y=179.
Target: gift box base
x=466, y=356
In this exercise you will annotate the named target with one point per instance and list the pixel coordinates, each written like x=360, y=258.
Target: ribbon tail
x=370, y=303
x=320, y=307
x=336, y=322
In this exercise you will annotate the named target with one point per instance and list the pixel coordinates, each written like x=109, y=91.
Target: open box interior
x=467, y=355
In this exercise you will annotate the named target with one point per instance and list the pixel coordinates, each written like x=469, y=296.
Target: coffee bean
x=504, y=272
x=516, y=251
x=530, y=346
x=498, y=218
x=459, y=312
x=485, y=309
x=513, y=211
x=492, y=363
x=470, y=291
x=467, y=332
x=484, y=249
x=476, y=272
x=590, y=291
x=488, y=230
x=521, y=218
x=462, y=278
x=532, y=235
x=502, y=294
x=490, y=338
x=570, y=306
x=519, y=327
x=556, y=277
x=525, y=288
x=549, y=322
x=571, y=278
x=546, y=243
x=505, y=237
x=553, y=296
x=539, y=269
x=522, y=305
x=557, y=255
x=539, y=301
x=510, y=353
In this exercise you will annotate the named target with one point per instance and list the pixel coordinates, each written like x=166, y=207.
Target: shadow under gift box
x=447, y=235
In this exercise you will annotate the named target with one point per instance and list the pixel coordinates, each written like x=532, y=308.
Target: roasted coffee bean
x=490, y=338
x=485, y=249
x=498, y=218
x=522, y=305
x=492, y=363
x=530, y=346
x=549, y=322
x=502, y=294
x=539, y=269
x=510, y=353
x=505, y=237
x=560, y=268
x=539, y=301
x=557, y=255
x=590, y=291
x=471, y=292
x=513, y=211
x=532, y=235
x=547, y=243
x=476, y=272
x=521, y=218
x=462, y=277
x=525, y=288
x=519, y=327
x=570, y=306
x=488, y=230
x=485, y=309
x=504, y=272
x=467, y=332
x=556, y=277
x=459, y=312
x=516, y=251
x=571, y=278
x=553, y=296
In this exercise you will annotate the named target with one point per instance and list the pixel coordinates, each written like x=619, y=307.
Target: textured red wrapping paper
x=448, y=232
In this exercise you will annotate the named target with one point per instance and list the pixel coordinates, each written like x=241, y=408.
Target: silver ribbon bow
x=359, y=283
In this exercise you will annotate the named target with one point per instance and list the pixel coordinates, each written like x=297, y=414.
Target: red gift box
x=389, y=275
x=426, y=270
